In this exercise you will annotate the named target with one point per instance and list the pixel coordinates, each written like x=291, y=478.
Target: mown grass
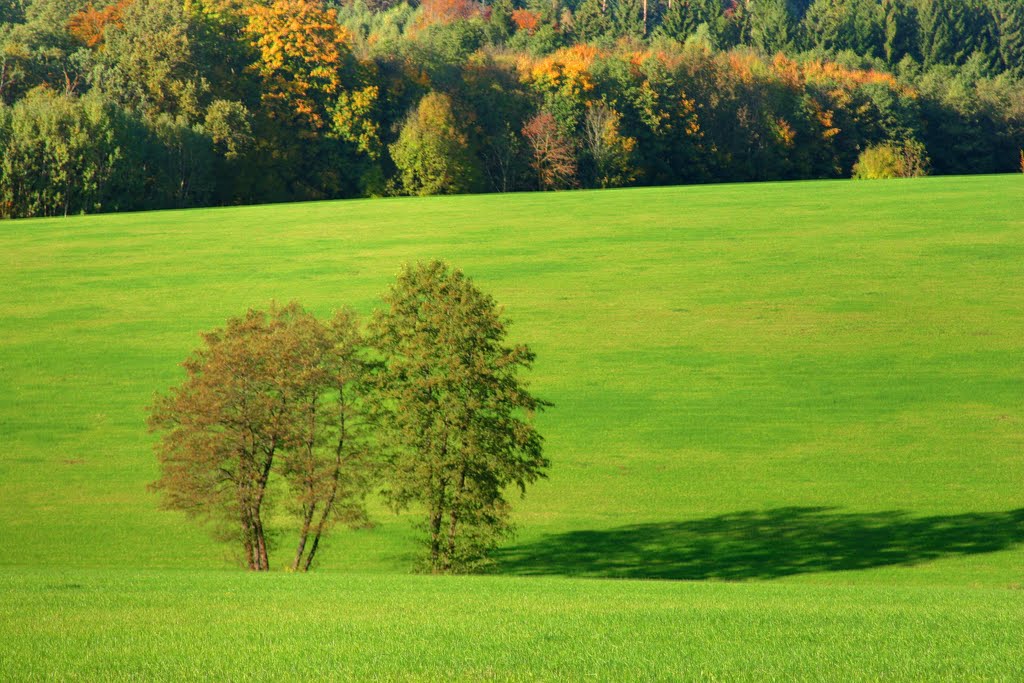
x=813, y=388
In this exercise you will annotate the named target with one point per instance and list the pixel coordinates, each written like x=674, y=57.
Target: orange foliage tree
x=90, y=24
x=525, y=20
x=304, y=56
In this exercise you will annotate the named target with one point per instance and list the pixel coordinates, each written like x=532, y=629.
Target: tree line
x=145, y=104
x=425, y=404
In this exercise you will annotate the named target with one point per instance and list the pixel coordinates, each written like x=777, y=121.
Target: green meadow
x=787, y=440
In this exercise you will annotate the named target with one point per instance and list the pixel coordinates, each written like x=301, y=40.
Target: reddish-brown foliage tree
x=448, y=11
x=269, y=392
x=553, y=155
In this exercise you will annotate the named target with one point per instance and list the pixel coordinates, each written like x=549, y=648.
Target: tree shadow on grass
x=764, y=545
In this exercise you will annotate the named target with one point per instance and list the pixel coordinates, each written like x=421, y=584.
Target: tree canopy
x=272, y=393
x=429, y=404
x=244, y=101
x=456, y=417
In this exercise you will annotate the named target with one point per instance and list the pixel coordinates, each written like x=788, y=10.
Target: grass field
x=810, y=394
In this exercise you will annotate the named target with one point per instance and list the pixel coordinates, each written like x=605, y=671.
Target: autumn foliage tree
x=90, y=23
x=554, y=160
x=303, y=55
x=609, y=150
x=271, y=392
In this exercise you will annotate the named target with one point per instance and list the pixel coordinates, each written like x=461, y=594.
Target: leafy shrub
x=892, y=160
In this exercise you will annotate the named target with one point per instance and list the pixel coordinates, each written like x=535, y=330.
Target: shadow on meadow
x=764, y=545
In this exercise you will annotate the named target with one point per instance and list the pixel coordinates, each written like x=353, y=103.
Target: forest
x=146, y=104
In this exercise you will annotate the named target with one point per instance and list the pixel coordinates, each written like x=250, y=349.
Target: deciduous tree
x=553, y=158
x=329, y=464
x=270, y=391
x=456, y=415
x=609, y=150
x=432, y=152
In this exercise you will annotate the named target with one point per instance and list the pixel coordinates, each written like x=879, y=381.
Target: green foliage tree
x=65, y=155
x=432, y=152
x=900, y=30
x=39, y=52
x=12, y=12
x=857, y=25
x=269, y=392
x=592, y=20
x=331, y=463
x=1009, y=19
x=455, y=414
x=771, y=26
x=630, y=17
x=147, y=64
x=681, y=18
x=952, y=30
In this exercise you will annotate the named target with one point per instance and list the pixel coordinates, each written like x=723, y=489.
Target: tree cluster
x=424, y=404
x=143, y=104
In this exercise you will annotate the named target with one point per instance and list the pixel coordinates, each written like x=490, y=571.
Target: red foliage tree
x=553, y=157
x=525, y=20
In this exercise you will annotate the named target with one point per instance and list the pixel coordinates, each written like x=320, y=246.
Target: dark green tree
x=680, y=18
x=456, y=416
x=857, y=25
x=771, y=25
x=952, y=30
x=12, y=12
x=500, y=26
x=592, y=20
x=1009, y=18
x=630, y=18
x=900, y=31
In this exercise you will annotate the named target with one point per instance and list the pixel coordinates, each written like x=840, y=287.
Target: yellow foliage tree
x=304, y=56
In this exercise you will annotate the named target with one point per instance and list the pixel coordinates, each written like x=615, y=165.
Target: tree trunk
x=328, y=506
x=307, y=523
x=435, y=531
x=262, y=561
x=257, y=522
x=452, y=526
x=250, y=557
x=312, y=552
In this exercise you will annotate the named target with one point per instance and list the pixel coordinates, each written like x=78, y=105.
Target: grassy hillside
x=818, y=383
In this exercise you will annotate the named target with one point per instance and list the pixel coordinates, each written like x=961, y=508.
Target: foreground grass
x=820, y=381
x=180, y=625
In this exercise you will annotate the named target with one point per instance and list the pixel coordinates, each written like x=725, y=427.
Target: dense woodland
x=157, y=103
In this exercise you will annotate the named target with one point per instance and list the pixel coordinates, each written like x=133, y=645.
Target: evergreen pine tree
x=1009, y=18
x=592, y=20
x=629, y=18
x=771, y=26
x=900, y=31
